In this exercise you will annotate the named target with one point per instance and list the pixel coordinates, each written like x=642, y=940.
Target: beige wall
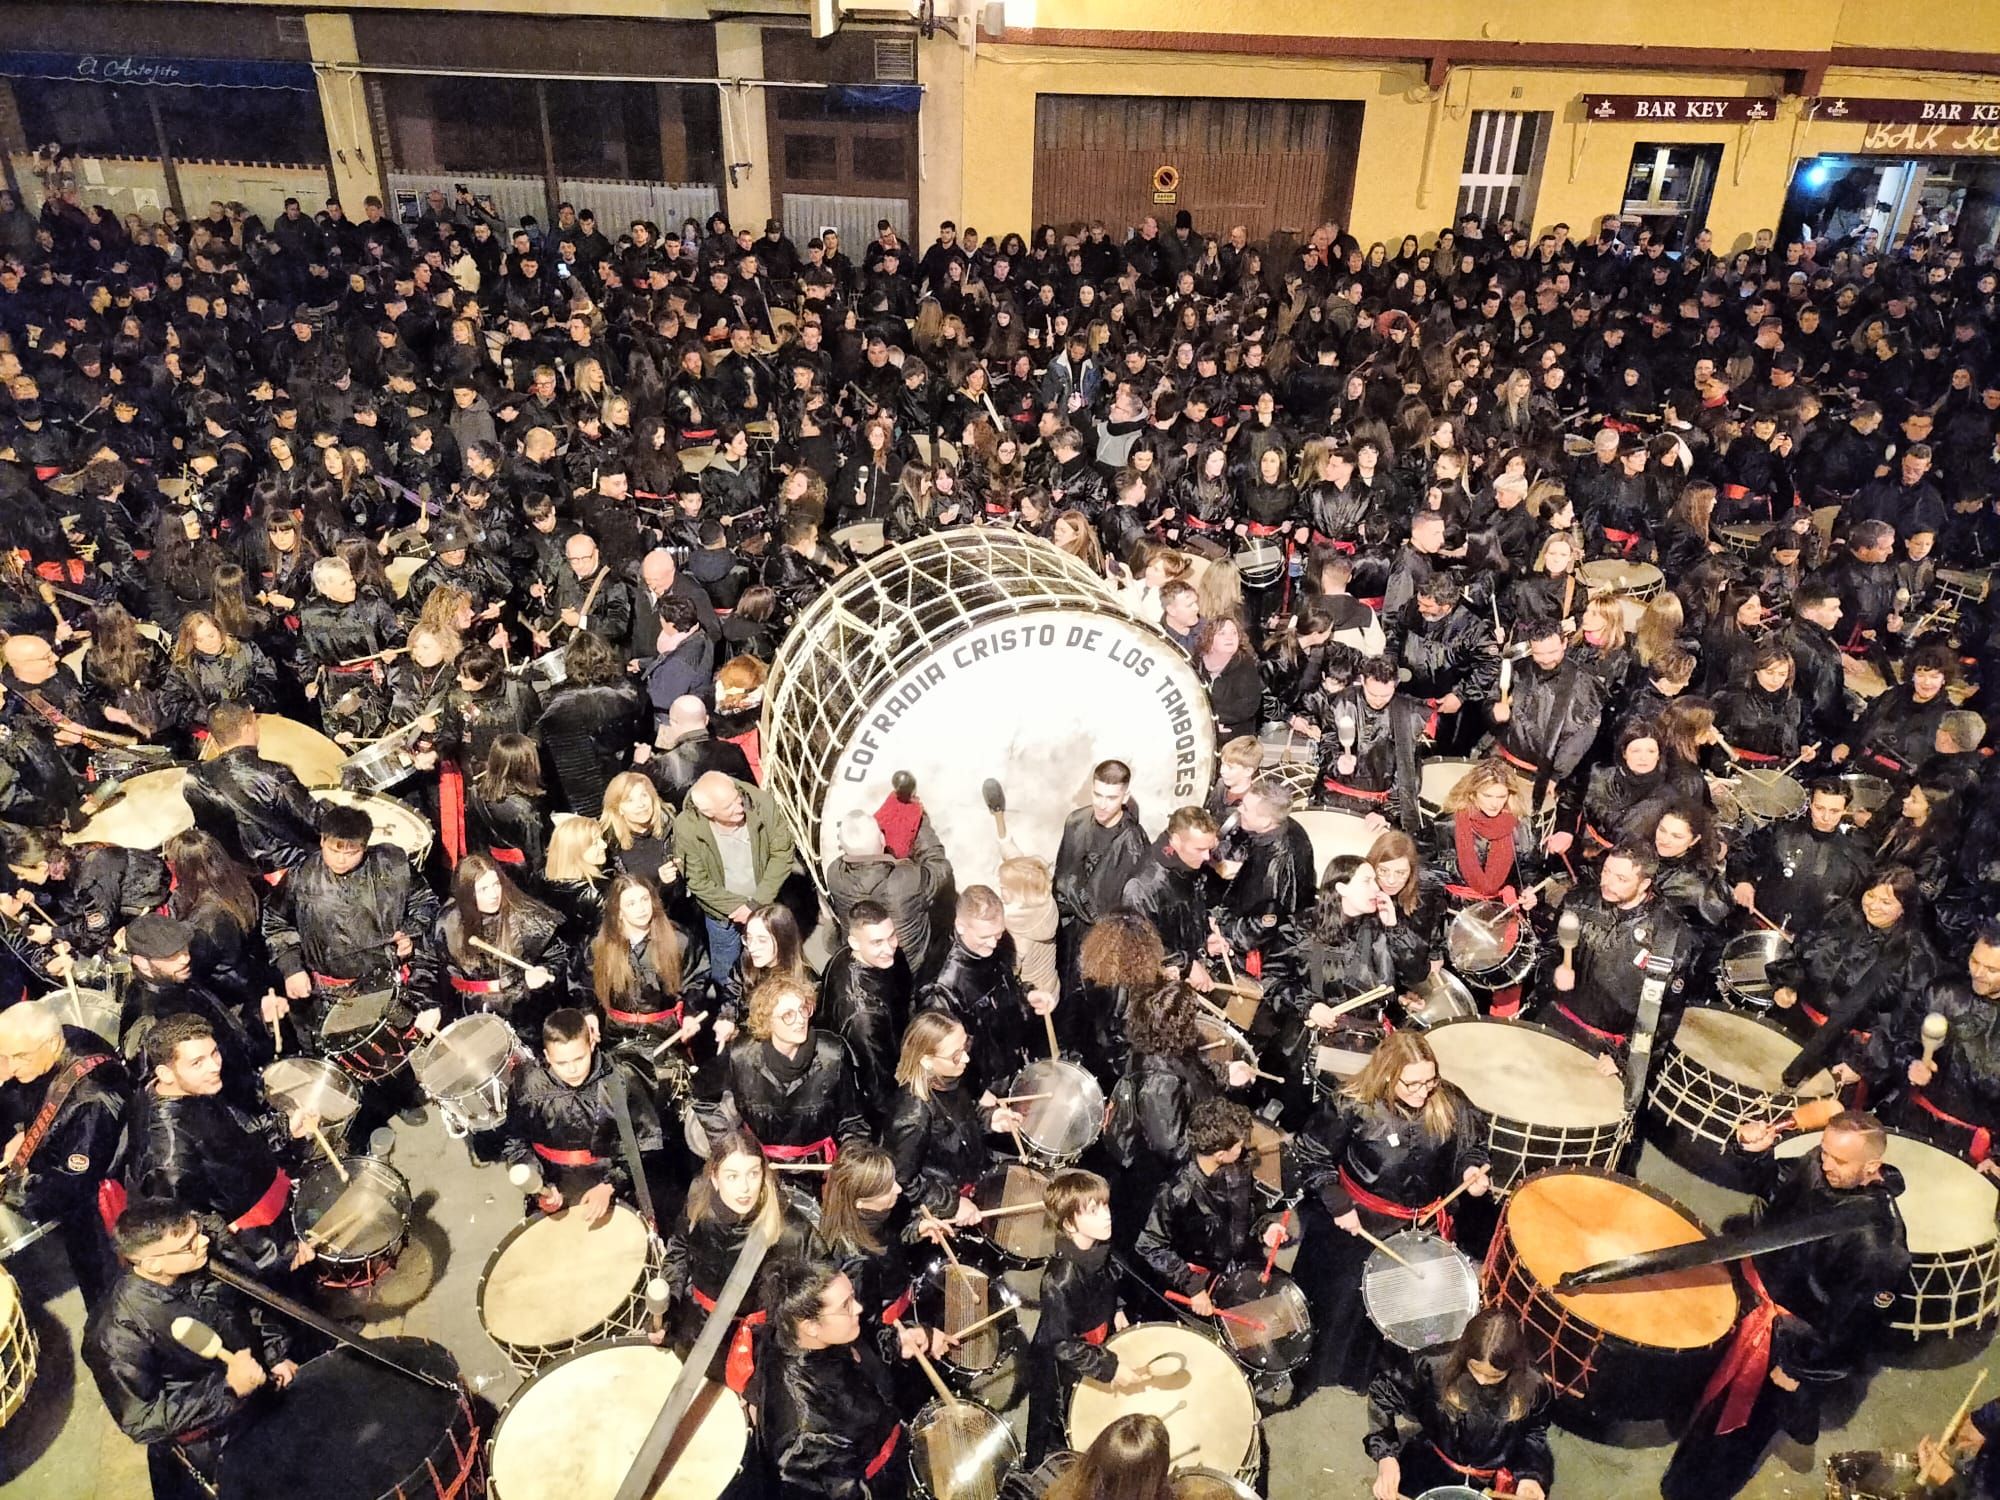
x=343, y=101
x=746, y=137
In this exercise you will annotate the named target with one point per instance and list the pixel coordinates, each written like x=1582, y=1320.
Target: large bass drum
x=987, y=641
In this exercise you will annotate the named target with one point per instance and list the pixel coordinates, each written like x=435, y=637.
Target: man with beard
x=1171, y=891
x=1102, y=848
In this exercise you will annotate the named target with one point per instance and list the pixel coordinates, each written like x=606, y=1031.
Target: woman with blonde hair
x=1484, y=852
x=573, y=876
x=737, y=1191
x=937, y=1127
x=635, y=824
x=1659, y=628
x=1075, y=535
x=1378, y=1156
x=790, y=1085
x=1598, y=646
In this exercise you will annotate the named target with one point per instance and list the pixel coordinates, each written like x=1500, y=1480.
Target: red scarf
x=1488, y=877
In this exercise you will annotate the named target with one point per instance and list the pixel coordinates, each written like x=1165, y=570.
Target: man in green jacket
x=735, y=851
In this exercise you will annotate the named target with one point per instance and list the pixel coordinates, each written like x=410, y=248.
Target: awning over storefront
x=171, y=72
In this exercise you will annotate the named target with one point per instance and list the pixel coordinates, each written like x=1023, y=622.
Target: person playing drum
x=1619, y=801
x=1419, y=899
x=1856, y=961
x=89, y=893
x=865, y=999
x=829, y=1414
x=1593, y=998
x=1480, y=1410
x=1171, y=890
x=736, y=1190
x=489, y=912
x=635, y=971
x=865, y=1228
x=1369, y=736
x=184, y=1406
x=561, y=1122
x=1269, y=873
x=792, y=1086
x=257, y=809
x=1547, y=724
x=1379, y=1156
x=1131, y=1459
x=63, y=1096
x=190, y=1143
x=1946, y=1092
x=1817, y=1308
x=1342, y=949
x=977, y=986
x=1081, y=1304
x=1484, y=853
x=1801, y=868
x=936, y=1130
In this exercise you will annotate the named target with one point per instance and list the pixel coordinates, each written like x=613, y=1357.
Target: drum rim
x=1070, y=1065
x=1467, y=1264
x=1546, y=1289
x=356, y=1164
x=506, y=1242
x=983, y=1257
x=1763, y=1022
x=363, y=801
x=1000, y=1169
x=601, y=1346
x=417, y=1052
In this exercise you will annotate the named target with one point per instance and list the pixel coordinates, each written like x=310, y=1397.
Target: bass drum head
x=572, y=1431
x=149, y=810
x=1208, y=1484
x=1193, y=1387
x=556, y=1278
x=395, y=822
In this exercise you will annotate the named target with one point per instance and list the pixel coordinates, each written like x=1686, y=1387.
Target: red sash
x=1741, y=1375
x=888, y=1450
x=1259, y=528
x=822, y=1149
x=513, y=857
x=1516, y=762
x=451, y=809
x=475, y=986
x=1626, y=540
x=1096, y=1335
x=643, y=1017
x=1333, y=785
x=264, y=1212
x=1345, y=549
x=1503, y=1479
x=562, y=1158
x=1388, y=1208
x=1616, y=1038
x=1756, y=757
x=1982, y=1138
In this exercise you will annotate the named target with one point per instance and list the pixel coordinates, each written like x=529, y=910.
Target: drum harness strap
x=1502, y=1478
x=451, y=809
x=563, y=1157
x=475, y=986
x=58, y=1095
x=1388, y=1208
x=1740, y=1376
x=822, y=1149
x=1361, y=793
x=1982, y=1138
x=645, y=1017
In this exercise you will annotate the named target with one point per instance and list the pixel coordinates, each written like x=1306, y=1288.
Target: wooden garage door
x=1267, y=164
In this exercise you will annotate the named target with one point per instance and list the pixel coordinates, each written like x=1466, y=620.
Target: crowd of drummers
x=1596, y=639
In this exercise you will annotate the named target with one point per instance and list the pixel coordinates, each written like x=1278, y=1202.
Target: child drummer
x=1081, y=1307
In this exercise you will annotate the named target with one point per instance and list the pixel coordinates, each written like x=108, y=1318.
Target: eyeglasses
x=1424, y=1086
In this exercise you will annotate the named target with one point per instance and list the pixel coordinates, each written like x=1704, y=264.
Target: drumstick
x=802, y=1166
x=1366, y=997
x=1568, y=930
x=1936, y=1029
x=1271, y=1255
x=1728, y=749
x=1023, y=1098
x=1773, y=926
x=1442, y=1203
x=1530, y=891
x=1223, y=1313
x=1385, y=1249
x=1049, y=1021
x=1229, y=962
x=500, y=953
x=945, y=1243
x=1019, y=1149
x=984, y=1323
x=339, y=1166
x=1010, y=1209
x=1944, y=1438
x=930, y=1373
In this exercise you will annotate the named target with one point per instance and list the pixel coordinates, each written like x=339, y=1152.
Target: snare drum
x=319, y=1088
x=1426, y=1302
x=1023, y=1239
x=18, y=1349
x=1278, y=1336
x=1874, y=1476
x=1960, y=588
x=1260, y=563
x=1742, y=537
x=395, y=822
x=950, y=1295
x=558, y=1283
x=147, y=811
x=1630, y=580
x=1061, y=1127
x=1865, y=794
x=1647, y=1342
x=1334, y=834
x=862, y=538
x=358, y=1222
x=380, y=766
x=1435, y=781
x=1490, y=945
x=1222, y=1044
x=613, y=1392
x=1863, y=678
x=1746, y=958
x=550, y=669
x=345, y=1432
x=1192, y=1385
x=358, y=1037
x=1545, y=1103
x=1948, y=1211
x=1723, y=1068
x=1765, y=797
x=466, y=1070
x=18, y=1231
x=92, y=1010
x=1437, y=998
x=961, y=1450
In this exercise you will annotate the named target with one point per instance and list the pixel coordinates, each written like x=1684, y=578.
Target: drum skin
x=572, y=1431
x=18, y=1349
x=396, y=822
x=1196, y=1389
x=555, y=1280
x=968, y=654
x=1639, y=1346
x=1545, y=1101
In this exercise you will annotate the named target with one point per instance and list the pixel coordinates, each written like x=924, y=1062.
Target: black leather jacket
x=545, y=1111
x=60, y=1180
x=867, y=1009
x=987, y=998
x=257, y=809
x=826, y=1414
x=795, y=1102
x=218, y=1159
x=939, y=1144
x=1383, y=1149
